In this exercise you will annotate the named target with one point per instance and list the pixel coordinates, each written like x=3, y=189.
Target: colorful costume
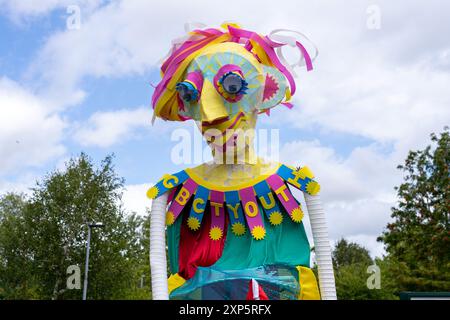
x=230, y=224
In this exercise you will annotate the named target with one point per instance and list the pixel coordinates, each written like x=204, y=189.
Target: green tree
x=347, y=253
x=16, y=268
x=351, y=262
x=418, y=239
x=51, y=227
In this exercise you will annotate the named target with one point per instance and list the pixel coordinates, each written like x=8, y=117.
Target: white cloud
x=21, y=184
x=104, y=129
x=135, y=199
x=364, y=173
x=375, y=248
x=29, y=134
x=116, y=40
x=357, y=191
x=367, y=92
x=400, y=105
x=130, y=37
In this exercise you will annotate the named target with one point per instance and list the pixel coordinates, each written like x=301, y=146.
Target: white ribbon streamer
x=291, y=41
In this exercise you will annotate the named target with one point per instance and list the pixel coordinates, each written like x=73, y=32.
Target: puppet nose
x=211, y=103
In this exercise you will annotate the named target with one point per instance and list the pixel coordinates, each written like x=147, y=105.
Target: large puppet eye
x=233, y=83
x=187, y=91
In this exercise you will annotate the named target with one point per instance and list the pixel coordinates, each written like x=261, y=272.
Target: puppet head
x=222, y=78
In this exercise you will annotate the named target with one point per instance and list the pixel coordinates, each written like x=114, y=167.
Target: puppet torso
x=237, y=222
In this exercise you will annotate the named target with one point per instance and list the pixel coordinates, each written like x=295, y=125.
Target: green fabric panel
x=284, y=244
x=173, y=240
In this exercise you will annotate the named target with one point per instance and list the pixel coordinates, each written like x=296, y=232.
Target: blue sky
x=379, y=88
x=22, y=41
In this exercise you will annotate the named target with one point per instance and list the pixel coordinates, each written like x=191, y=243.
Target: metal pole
x=86, y=268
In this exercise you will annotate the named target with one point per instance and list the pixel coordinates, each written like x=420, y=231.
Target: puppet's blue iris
x=233, y=83
x=187, y=91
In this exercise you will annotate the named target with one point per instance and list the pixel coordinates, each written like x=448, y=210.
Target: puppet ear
x=275, y=86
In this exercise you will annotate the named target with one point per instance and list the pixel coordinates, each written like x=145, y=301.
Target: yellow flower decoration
x=193, y=223
x=152, y=193
x=276, y=218
x=297, y=214
x=258, y=232
x=215, y=233
x=312, y=187
x=170, y=218
x=238, y=228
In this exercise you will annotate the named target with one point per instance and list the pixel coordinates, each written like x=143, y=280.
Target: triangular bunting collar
x=244, y=204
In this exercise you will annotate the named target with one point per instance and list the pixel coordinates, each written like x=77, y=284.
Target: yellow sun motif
x=193, y=223
x=312, y=187
x=297, y=214
x=152, y=193
x=215, y=233
x=170, y=218
x=258, y=232
x=238, y=229
x=276, y=218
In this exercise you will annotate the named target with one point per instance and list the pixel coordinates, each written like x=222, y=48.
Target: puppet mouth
x=231, y=142
x=232, y=139
x=224, y=141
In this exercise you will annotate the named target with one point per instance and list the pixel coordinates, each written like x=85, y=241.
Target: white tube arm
x=158, y=258
x=321, y=247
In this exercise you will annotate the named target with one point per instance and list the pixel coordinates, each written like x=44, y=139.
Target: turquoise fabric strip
x=285, y=244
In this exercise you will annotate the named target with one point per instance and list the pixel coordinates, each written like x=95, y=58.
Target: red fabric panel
x=196, y=249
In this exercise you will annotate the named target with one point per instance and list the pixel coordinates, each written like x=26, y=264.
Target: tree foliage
x=418, y=239
x=17, y=280
x=351, y=262
x=347, y=253
x=42, y=236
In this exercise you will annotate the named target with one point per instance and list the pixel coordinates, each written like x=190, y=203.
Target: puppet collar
x=244, y=204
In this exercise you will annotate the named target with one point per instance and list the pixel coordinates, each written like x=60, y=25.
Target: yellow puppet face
x=225, y=81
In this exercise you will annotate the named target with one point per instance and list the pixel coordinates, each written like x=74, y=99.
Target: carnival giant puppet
x=232, y=226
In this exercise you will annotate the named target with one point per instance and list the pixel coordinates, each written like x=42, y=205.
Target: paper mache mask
x=216, y=74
